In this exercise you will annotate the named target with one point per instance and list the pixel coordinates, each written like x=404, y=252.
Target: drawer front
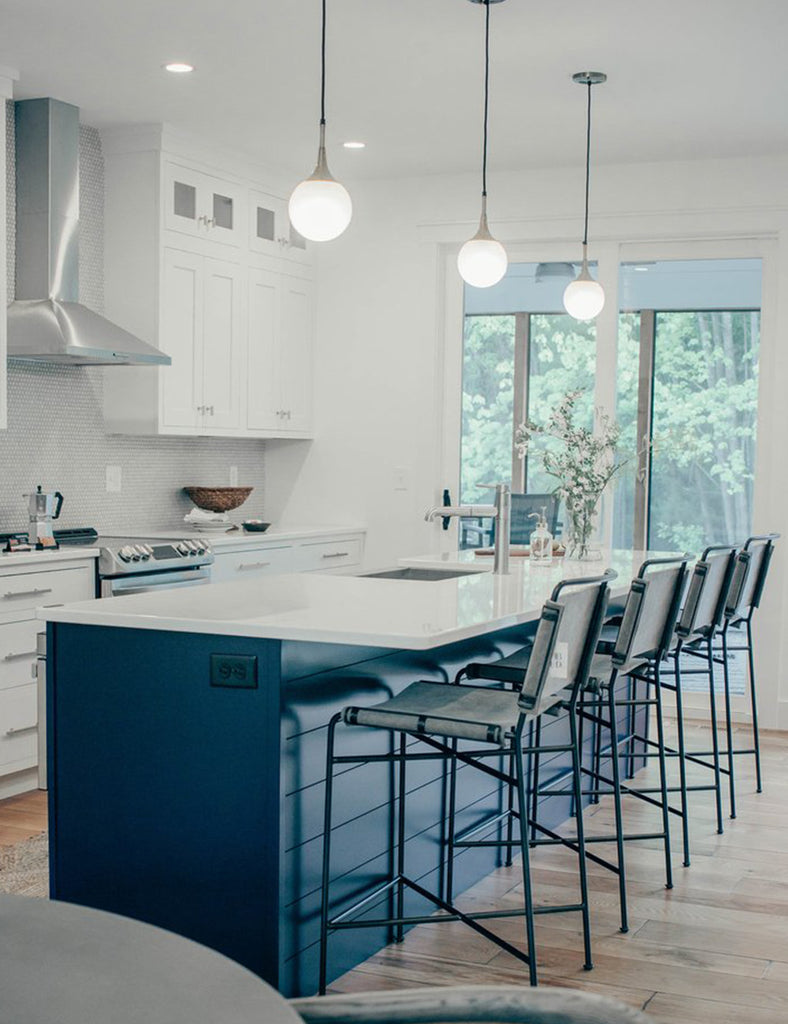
x=327, y=555
x=18, y=728
x=18, y=652
x=250, y=562
x=25, y=591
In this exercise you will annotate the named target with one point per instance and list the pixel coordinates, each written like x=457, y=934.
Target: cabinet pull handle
x=337, y=554
x=27, y=593
x=253, y=565
x=16, y=655
x=24, y=728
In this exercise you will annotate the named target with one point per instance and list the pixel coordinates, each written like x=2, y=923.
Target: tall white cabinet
x=203, y=263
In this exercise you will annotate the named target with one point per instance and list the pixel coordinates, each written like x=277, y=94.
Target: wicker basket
x=218, y=499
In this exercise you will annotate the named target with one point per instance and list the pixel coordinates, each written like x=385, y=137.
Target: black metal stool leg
x=616, y=772
x=581, y=848
x=324, y=903
x=728, y=723
x=452, y=822
x=715, y=740
x=522, y=809
x=682, y=762
x=403, y=746
x=535, y=741
x=631, y=720
x=597, y=763
x=663, y=780
x=756, y=742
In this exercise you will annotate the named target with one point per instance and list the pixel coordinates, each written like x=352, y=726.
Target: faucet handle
x=494, y=487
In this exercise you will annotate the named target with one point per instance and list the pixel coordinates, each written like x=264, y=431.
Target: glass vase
x=581, y=516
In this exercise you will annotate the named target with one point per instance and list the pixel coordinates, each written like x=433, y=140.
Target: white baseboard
x=18, y=782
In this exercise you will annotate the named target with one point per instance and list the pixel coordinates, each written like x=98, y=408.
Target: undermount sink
x=427, y=575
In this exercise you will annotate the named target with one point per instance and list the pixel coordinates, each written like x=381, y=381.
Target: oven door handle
x=166, y=580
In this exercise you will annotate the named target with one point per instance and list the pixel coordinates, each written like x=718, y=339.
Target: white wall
x=387, y=355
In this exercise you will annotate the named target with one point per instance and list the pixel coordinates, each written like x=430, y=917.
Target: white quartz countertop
x=240, y=537
x=68, y=553
x=364, y=611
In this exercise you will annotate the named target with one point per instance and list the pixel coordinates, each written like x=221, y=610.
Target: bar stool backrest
x=566, y=638
x=708, y=592
x=651, y=610
x=749, y=576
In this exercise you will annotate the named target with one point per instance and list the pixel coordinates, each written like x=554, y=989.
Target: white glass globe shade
x=482, y=262
x=320, y=209
x=584, y=298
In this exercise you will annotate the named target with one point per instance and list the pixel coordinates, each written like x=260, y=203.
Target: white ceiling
x=687, y=78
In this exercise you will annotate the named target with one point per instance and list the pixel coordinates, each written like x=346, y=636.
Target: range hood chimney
x=46, y=322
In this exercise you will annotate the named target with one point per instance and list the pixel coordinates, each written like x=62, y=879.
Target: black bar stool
x=642, y=642
x=699, y=624
x=746, y=589
x=443, y=715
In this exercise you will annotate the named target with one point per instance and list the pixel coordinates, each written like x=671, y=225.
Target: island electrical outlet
x=237, y=671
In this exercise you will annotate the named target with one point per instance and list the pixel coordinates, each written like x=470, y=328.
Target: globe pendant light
x=320, y=207
x=482, y=261
x=584, y=297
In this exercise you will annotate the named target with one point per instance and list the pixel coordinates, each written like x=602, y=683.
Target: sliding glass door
x=688, y=400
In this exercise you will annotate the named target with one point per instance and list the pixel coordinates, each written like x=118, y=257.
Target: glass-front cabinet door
x=202, y=205
x=270, y=230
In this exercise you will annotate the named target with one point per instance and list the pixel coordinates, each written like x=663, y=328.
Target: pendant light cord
x=486, y=92
x=588, y=164
x=323, y=69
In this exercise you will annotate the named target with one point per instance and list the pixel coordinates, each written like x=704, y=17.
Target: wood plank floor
x=714, y=948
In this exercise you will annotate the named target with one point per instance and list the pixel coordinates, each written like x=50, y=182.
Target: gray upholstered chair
x=446, y=718
x=467, y=1004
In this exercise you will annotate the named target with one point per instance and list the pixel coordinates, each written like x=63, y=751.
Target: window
x=521, y=354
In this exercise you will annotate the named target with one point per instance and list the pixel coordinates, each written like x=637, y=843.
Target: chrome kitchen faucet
x=501, y=511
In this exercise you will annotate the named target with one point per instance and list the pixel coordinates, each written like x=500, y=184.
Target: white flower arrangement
x=583, y=466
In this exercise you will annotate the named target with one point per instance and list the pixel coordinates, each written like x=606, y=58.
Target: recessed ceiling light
x=354, y=145
x=178, y=68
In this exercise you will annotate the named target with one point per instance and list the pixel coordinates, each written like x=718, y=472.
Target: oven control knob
x=142, y=552
x=200, y=550
x=124, y=554
x=181, y=548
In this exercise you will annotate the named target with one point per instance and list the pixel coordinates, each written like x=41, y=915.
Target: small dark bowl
x=255, y=526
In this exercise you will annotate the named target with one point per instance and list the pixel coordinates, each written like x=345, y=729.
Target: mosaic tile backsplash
x=56, y=435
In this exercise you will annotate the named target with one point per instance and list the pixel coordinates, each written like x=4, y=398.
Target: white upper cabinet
x=296, y=353
x=181, y=338
x=204, y=265
x=203, y=206
x=270, y=230
x=279, y=378
x=222, y=345
x=202, y=330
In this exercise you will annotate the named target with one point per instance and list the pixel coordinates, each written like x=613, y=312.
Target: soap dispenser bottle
x=541, y=540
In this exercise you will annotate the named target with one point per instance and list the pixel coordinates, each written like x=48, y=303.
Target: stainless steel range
x=131, y=565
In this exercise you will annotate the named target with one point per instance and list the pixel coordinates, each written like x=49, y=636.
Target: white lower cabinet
x=22, y=591
x=245, y=560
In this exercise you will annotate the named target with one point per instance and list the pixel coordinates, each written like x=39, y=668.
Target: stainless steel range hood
x=47, y=323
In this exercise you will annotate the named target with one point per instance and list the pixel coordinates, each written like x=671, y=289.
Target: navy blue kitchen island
x=187, y=770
